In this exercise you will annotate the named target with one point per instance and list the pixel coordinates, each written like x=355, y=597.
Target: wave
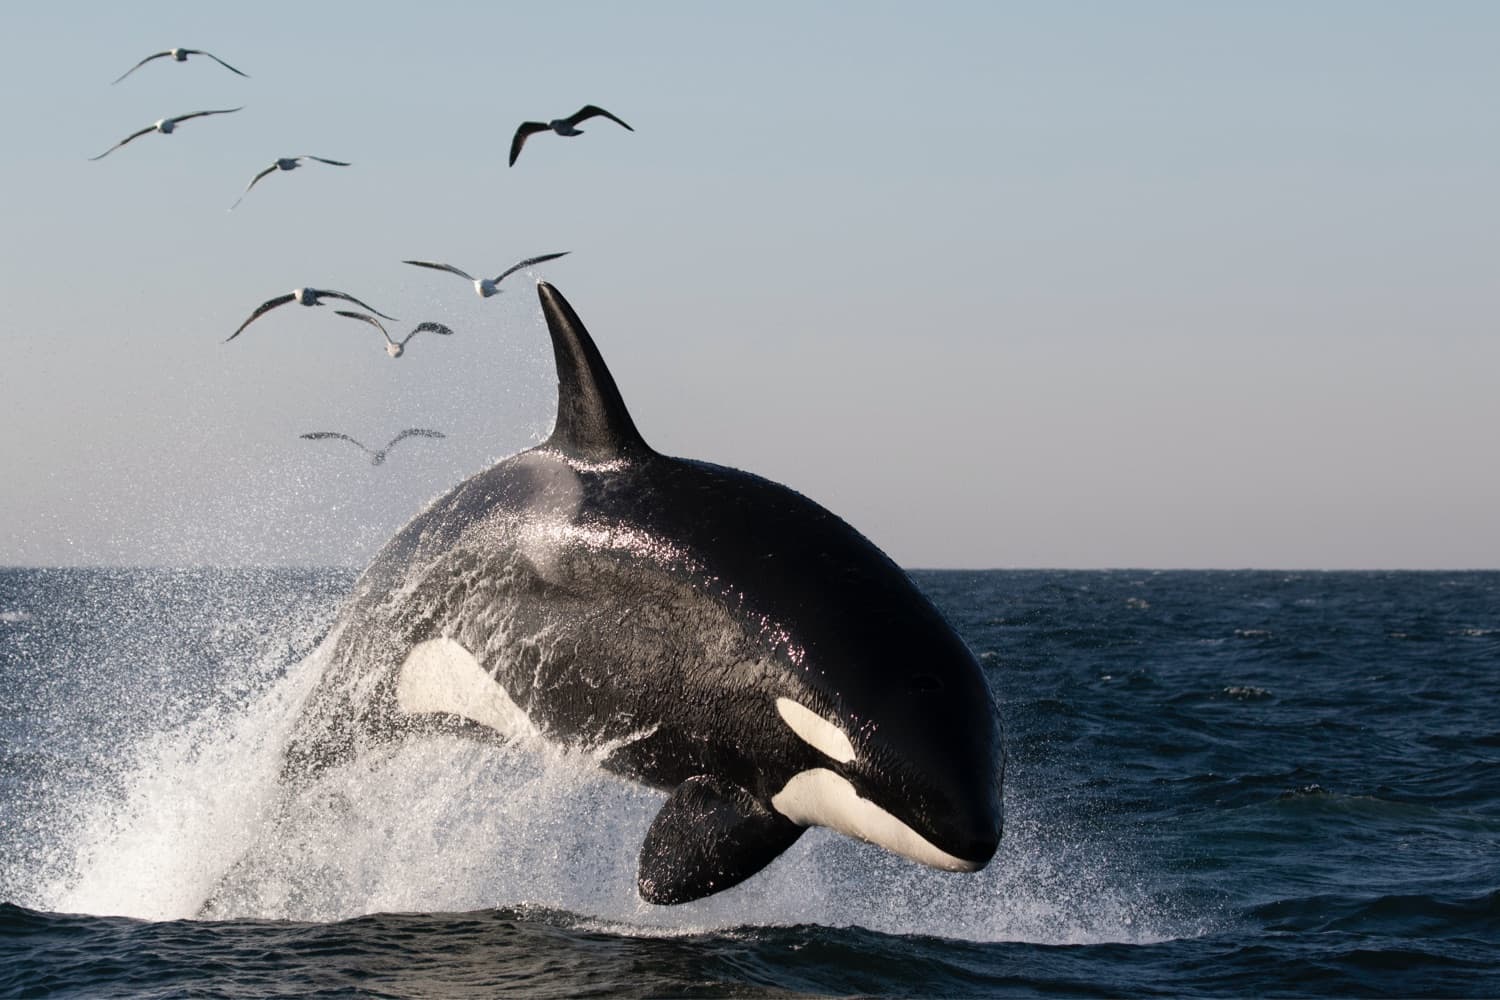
x=530, y=950
x=1419, y=915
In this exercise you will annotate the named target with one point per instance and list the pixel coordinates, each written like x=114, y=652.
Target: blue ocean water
x=1220, y=783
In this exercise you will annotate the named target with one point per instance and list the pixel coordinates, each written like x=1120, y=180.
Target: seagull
x=488, y=286
x=181, y=56
x=166, y=126
x=284, y=163
x=393, y=348
x=562, y=126
x=303, y=296
x=376, y=457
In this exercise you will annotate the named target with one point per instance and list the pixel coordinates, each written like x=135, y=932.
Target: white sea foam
x=192, y=803
x=444, y=823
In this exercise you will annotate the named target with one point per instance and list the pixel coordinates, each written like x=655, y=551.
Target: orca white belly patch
x=819, y=797
x=441, y=676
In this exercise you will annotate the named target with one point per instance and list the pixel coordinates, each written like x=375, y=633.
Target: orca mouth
x=821, y=797
x=975, y=832
x=978, y=848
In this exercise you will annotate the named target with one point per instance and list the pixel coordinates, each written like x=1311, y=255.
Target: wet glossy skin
x=658, y=607
x=655, y=609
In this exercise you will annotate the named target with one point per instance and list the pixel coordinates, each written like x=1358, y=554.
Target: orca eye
x=923, y=683
x=816, y=731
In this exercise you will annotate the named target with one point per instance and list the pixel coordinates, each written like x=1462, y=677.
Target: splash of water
x=441, y=823
x=192, y=802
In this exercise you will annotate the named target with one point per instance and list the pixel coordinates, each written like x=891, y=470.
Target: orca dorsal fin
x=592, y=422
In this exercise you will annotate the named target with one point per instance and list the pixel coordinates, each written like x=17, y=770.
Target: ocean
x=1219, y=783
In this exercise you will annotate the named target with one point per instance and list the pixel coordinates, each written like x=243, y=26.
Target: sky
x=1078, y=284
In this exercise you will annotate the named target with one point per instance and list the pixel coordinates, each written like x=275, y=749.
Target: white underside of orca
x=441, y=676
x=819, y=797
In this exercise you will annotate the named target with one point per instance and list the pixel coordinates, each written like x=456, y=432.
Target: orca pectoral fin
x=709, y=836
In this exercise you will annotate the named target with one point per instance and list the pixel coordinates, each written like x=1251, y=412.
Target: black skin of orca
x=655, y=609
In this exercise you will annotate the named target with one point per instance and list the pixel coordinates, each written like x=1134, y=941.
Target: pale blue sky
x=1044, y=284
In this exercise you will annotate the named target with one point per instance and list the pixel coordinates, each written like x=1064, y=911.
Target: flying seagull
x=488, y=286
x=562, y=126
x=393, y=348
x=376, y=457
x=181, y=56
x=284, y=163
x=166, y=126
x=302, y=296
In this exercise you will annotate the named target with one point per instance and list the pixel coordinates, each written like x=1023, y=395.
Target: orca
x=702, y=630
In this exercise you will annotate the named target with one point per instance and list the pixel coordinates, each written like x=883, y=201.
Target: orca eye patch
x=816, y=731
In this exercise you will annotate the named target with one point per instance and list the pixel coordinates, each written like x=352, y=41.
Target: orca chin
x=820, y=797
x=701, y=630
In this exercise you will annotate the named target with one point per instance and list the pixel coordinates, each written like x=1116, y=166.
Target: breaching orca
x=705, y=631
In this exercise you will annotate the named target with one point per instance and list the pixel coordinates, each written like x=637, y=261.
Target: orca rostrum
x=699, y=629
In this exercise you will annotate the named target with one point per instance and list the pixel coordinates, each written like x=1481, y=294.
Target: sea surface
x=1219, y=783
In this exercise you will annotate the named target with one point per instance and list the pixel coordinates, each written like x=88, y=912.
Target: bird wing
x=331, y=163
x=528, y=262
x=428, y=328
x=350, y=298
x=200, y=114
x=525, y=129
x=441, y=267
x=200, y=52
x=368, y=319
x=413, y=432
x=128, y=138
x=327, y=435
x=253, y=181
x=139, y=65
x=593, y=111
x=261, y=310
